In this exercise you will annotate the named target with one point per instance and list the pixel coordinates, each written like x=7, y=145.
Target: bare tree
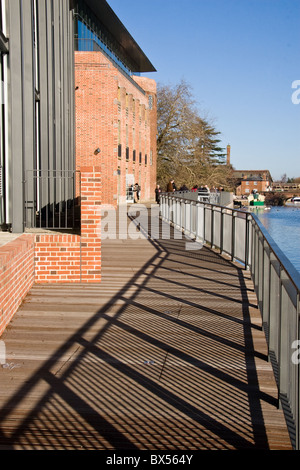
x=188, y=145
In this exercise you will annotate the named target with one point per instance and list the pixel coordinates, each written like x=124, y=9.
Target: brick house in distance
x=116, y=124
x=248, y=181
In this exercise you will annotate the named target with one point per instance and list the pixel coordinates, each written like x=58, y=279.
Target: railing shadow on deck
x=152, y=369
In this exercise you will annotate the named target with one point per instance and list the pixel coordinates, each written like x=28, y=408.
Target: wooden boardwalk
x=166, y=354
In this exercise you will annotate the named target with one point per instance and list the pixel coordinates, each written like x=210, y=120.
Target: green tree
x=188, y=145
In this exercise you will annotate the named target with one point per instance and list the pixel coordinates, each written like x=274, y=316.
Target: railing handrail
x=276, y=284
x=291, y=271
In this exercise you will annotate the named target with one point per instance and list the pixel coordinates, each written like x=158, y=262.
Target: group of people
x=171, y=187
x=135, y=191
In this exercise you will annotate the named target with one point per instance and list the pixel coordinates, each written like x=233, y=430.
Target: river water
x=283, y=224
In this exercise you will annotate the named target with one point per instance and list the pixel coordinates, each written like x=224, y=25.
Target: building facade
x=115, y=106
x=253, y=180
x=38, y=180
x=37, y=138
x=42, y=186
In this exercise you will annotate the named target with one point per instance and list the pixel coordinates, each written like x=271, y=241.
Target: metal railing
x=50, y=199
x=242, y=237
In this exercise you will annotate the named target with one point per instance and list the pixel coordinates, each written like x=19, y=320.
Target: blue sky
x=240, y=58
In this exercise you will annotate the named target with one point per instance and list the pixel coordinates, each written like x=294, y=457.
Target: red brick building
x=248, y=181
x=116, y=125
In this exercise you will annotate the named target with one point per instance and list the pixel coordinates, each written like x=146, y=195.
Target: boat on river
x=256, y=199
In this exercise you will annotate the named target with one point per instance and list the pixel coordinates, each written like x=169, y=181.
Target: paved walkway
x=166, y=354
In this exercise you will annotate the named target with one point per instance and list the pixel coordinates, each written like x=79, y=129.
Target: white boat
x=295, y=199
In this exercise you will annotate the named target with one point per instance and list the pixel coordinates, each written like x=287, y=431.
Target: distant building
x=249, y=180
x=286, y=187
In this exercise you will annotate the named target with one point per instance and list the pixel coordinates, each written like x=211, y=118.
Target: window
x=4, y=208
x=36, y=45
x=119, y=140
x=120, y=151
x=150, y=101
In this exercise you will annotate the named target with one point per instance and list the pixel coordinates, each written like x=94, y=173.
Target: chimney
x=228, y=154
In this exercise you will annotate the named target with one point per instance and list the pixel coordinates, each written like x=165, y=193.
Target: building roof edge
x=110, y=20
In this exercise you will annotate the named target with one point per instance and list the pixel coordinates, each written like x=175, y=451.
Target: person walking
x=157, y=193
x=137, y=190
x=171, y=187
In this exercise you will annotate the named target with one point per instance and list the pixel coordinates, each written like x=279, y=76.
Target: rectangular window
x=150, y=100
x=4, y=203
x=36, y=45
x=120, y=151
x=119, y=140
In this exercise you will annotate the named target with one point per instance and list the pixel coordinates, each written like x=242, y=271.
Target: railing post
x=212, y=226
x=247, y=243
x=221, y=231
x=297, y=392
x=233, y=235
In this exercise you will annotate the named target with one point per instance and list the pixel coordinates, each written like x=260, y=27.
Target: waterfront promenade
x=166, y=354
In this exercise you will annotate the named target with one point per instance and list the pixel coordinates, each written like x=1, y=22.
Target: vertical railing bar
x=247, y=242
x=212, y=226
x=297, y=391
x=222, y=231
x=232, y=235
x=279, y=333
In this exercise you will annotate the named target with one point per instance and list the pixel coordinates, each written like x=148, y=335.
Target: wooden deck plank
x=167, y=353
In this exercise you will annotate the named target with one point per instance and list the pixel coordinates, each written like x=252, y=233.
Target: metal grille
x=50, y=199
x=1, y=181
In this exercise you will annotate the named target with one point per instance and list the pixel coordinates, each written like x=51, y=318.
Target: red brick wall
x=247, y=187
x=110, y=110
x=57, y=258
x=53, y=258
x=16, y=276
x=91, y=194
x=74, y=258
